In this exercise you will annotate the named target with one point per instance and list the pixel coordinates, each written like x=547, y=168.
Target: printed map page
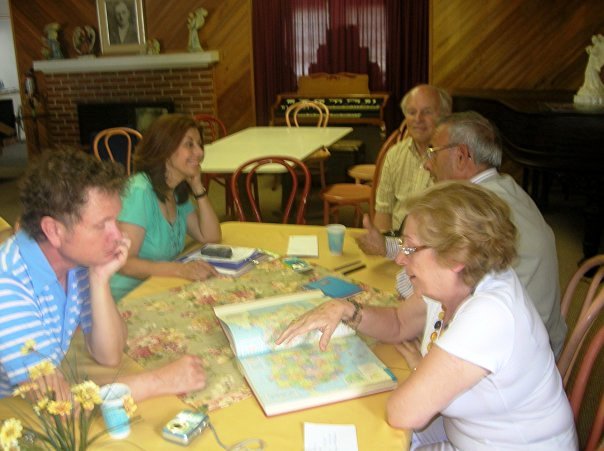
x=305, y=376
x=254, y=328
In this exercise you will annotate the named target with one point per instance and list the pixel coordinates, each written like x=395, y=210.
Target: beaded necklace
x=439, y=328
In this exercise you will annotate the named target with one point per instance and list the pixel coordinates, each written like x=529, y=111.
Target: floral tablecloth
x=181, y=321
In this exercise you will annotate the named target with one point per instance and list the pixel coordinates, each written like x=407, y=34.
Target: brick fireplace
x=72, y=82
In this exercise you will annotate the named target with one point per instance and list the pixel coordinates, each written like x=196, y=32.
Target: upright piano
x=549, y=136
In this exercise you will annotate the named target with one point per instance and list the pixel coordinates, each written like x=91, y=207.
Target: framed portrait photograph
x=121, y=26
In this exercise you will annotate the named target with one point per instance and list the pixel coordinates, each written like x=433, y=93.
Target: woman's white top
x=521, y=404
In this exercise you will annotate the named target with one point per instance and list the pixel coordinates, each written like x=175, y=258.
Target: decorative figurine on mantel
x=83, y=40
x=52, y=49
x=152, y=47
x=195, y=21
x=591, y=94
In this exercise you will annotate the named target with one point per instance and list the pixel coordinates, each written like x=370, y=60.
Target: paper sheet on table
x=330, y=437
x=303, y=246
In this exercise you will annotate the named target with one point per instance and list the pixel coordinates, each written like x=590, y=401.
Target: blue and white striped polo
x=34, y=305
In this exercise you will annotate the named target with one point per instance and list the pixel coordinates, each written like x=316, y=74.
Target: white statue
x=195, y=21
x=592, y=91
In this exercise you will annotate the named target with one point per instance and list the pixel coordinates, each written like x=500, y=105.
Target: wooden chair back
x=395, y=137
x=569, y=354
x=576, y=396
x=214, y=126
x=117, y=145
x=571, y=291
x=249, y=171
x=292, y=112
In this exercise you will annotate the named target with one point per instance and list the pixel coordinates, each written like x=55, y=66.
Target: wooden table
x=246, y=419
x=227, y=154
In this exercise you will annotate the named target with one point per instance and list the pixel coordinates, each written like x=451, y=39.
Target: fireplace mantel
x=128, y=63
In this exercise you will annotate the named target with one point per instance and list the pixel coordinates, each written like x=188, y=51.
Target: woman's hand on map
x=324, y=318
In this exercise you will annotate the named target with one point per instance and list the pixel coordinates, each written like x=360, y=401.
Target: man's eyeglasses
x=431, y=151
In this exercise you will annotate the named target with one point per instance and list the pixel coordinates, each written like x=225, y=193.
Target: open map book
x=299, y=375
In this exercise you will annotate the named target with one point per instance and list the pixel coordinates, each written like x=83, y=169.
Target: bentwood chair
x=591, y=307
x=117, y=145
x=294, y=115
x=216, y=129
x=299, y=188
x=587, y=380
x=365, y=173
x=357, y=194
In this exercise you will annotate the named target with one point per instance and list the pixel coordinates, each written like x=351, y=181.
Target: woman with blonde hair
x=487, y=379
x=157, y=209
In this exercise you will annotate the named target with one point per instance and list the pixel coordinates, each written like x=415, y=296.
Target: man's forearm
x=109, y=333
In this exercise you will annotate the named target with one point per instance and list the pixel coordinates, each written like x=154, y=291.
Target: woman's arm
x=388, y=324
x=439, y=378
x=203, y=224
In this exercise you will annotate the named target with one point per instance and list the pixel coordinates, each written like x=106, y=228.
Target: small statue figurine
x=592, y=91
x=195, y=21
x=52, y=49
x=83, y=40
x=152, y=47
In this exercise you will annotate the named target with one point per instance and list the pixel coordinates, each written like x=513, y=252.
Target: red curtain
x=385, y=39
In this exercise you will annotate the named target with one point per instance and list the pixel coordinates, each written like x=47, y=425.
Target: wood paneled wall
x=497, y=44
x=506, y=44
x=228, y=29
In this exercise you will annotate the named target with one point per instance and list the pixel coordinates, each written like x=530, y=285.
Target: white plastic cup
x=335, y=238
x=114, y=413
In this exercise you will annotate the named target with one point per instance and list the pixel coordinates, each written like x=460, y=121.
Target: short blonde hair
x=465, y=223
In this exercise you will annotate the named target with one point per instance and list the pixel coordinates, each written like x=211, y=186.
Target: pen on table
x=346, y=265
x=358, y=268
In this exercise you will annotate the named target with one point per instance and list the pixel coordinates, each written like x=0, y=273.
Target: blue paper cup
x=335, y=238
x=114, y=414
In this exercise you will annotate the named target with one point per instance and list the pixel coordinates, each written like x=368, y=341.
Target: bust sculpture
x=195, y=21
x=592, y=91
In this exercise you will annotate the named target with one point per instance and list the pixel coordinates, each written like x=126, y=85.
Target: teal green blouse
x=162, y=242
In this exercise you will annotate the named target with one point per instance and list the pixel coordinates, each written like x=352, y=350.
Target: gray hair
x=476, y=132
x=445, y=102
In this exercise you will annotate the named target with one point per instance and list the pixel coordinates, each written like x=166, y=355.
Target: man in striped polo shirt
x=54, y=277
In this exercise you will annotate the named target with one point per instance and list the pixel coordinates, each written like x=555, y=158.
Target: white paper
x=330, y=437
x=303, y=246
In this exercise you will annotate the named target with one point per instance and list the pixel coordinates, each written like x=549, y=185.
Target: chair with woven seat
x=216, y=129
x=357, y=194
x=298, y=193
x=293, y=118
x=117, y=145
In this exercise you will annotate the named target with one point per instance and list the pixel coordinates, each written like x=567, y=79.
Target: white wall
x=8, y=62
x=8, y=67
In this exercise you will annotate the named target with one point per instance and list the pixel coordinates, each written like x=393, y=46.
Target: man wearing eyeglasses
x=402, y=173
x=466, y=146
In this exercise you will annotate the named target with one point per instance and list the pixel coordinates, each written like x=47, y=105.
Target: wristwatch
x=203, y=193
